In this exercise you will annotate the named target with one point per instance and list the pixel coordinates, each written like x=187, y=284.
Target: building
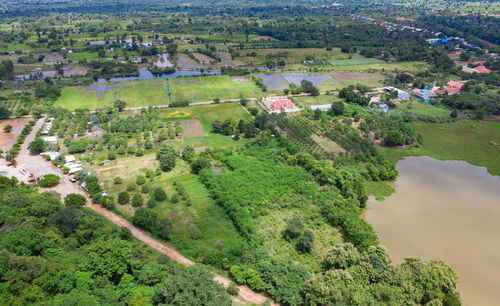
x=478, y=69
x=454, y=55
x=402, y=95
x=322, y=107
x=277, y=104
x=52, y=140
x=454, y=84
x=425, y=95
x=383, y=107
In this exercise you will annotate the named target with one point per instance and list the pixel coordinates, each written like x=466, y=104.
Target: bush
x=151, y=203
x=144, y=189
x=130, y=150
x=111, y=155
x=137, y=200
x=232, y=289
x=305, y=242
x=74, y=199
x=107, y=201
x=175, y=198
x=131, y=186
x=140, y=180
x=123, y=197
x=294, y=228
x=198, y=164
x=117, y=180
x=159, y=194
x=254, y=111
x=49, y=180
x=139, y=152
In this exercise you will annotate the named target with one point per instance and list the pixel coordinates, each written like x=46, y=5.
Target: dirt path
x=109, y=168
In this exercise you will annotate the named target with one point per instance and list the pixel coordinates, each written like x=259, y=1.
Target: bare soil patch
x=204, y=59
x=7, y=140
x=327, y=144
x=264, y=38
x=75, y=70
x=184, y=62
x=193, y=128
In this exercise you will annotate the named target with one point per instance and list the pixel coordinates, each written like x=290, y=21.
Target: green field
x=354, y=61
x=425, y=109
x=82, y=97
x=78, y=56
x=305, y=101
x=208, y=88
x=209, y=112
x=477, y=143
x=143, y=93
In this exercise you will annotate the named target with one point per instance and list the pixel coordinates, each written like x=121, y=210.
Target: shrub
x=74, y=199
x=232, y=289
x=305, y=242
x=149, y=173
x=107, y=201
x=175, y=198
x=131, y=186
x=123, y=197
x=139, y=152
x=254, y=111
x=140, y=180
x=151, y=203
x=137, y=200
x=117, y=180
x=294, y=228
x=111, y=155
x=130, y=150
x=198, y=164
x=49, y=180
x=159, y=194
x=121, y=150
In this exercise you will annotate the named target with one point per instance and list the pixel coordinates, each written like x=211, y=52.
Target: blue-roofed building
x=443, y=41
x=383, y=107
x=424, y=95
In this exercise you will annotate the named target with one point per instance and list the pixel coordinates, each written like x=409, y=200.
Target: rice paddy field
x=143, y=93
x=89, y=97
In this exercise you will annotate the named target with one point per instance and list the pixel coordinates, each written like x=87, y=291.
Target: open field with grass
x=208, y=88
x=354, y=61
x=89, y=97
x=305, y=101
x=143, y=93
x=425, y=108
x=477, y=143
x=379, y=189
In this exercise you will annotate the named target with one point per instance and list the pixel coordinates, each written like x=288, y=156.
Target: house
x=454, y=55
x=322, y=107
x=402, y=95
x=51, y=154
x=50, y=139
x=276, y=104
x=425, y=95
x=478, y=69
x=454, y=84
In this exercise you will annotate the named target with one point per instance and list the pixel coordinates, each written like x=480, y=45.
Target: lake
x=445, y=210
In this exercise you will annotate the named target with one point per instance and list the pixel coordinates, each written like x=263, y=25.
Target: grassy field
x=477, y=143
x=78, y=56
x=82, y=97
x=354, y=61
x=208, y=113
x=305, y=101
x=197, y=89
x=143, y=93
x=425, y=109
x=379, y=189
x=406, y=66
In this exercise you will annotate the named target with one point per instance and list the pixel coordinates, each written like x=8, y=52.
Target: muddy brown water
x=445, y=210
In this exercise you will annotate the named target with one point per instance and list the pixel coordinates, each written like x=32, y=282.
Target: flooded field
x=445, y=210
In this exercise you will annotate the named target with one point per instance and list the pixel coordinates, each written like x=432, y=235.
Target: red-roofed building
x=454, y=55
x=454, y=84
x=482, y=69
x=276, y=104
x=440, y=91
x=453, y=90
x=283, y=103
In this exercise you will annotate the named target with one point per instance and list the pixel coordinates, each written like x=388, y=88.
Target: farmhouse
x=276, y=104
x=424, y=95
x=478, y=69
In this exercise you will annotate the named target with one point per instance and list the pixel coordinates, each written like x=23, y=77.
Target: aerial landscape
x=221, y=152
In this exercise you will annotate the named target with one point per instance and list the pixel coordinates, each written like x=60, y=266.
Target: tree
x=68, y=220
x=188, y=154
x=151, y=203
x=140, y=180
x=37, y=145
x=342, y=256
x=37, y=111
x=137, y=200
x=317, y=114
x=192, y=286
x=393, y=138
x=167, y=157
x=175, y=198
x=49, y=180
x=7, y=128
x=107, y=201
x=111, y=155
x=198, y=164
x=123, y=197
x=74, y=199
x=108, y=258
x=159, y=194
x=305, y=242
x=152, y=273
x=4, y=112
x=294, y=228
x=338, y=108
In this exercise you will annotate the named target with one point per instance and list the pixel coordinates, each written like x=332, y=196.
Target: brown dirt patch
x=185, y=62
x=75, y=70
x=204, y=59
x=327, y=144
x=7, y=140
x=193, y=128
x=264, y=38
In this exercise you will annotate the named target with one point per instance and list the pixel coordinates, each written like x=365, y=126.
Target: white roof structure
x=50, y=139
x=69, y=158
x=51, y=154
x=322, y=107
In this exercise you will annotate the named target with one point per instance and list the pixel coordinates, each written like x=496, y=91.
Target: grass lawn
x=305, y=101
x=354, y=61
x=209, y=112
x=143, y=93
x=477, y=143
x=406, y=66
x=78, y=56
x=208, y=88
x=425, y=109
x=83, y=97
